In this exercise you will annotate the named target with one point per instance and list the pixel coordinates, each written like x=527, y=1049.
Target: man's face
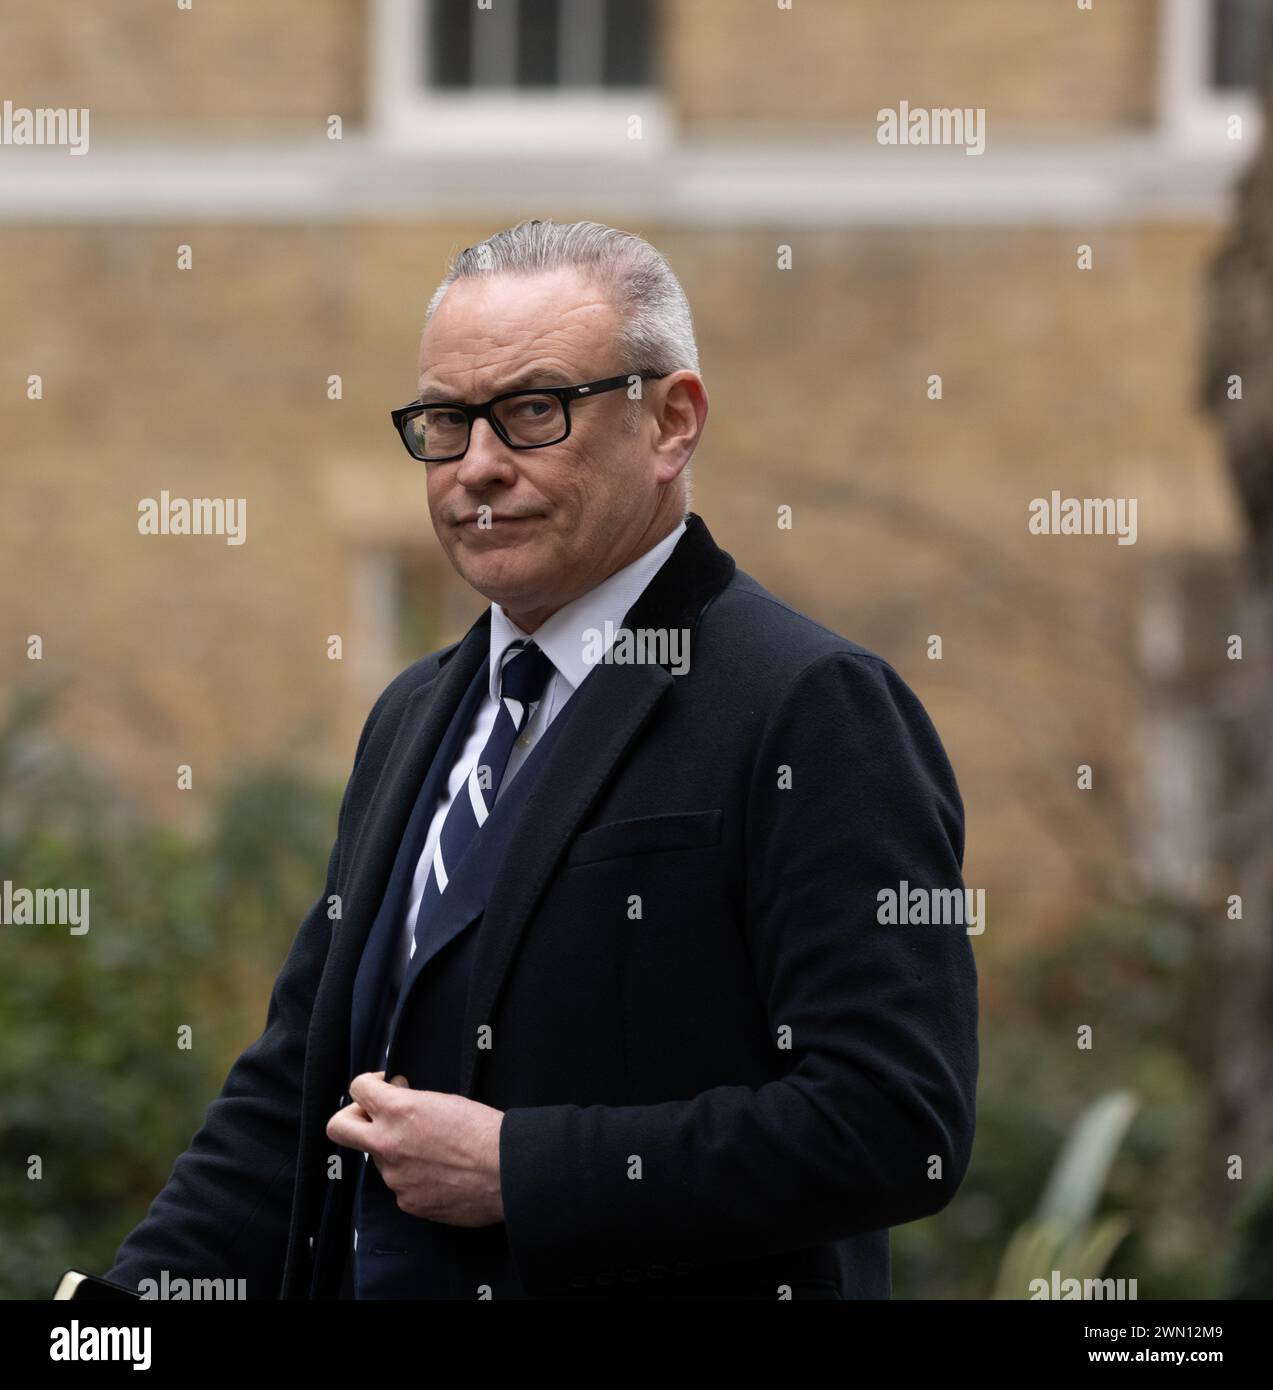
x=562, y=518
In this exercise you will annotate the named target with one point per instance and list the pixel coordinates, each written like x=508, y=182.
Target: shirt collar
x=561, y=637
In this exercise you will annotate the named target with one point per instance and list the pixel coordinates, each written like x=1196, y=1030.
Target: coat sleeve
x=872, y=1124
x=225, y=1210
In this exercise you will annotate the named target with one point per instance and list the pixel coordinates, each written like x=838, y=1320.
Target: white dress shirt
x=561, y=639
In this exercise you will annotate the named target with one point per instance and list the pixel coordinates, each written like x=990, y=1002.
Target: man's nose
x=487, y=457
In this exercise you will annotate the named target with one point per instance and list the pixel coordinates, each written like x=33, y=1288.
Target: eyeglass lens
x=440, y=432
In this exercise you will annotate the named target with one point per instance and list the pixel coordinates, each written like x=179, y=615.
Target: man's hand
x=438, y=1153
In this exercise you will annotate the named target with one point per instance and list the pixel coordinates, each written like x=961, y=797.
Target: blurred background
x=223, y=298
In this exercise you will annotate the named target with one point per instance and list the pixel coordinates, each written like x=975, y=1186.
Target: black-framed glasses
x=439, y=431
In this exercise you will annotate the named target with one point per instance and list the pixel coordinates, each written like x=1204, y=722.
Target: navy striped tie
x=522, y=681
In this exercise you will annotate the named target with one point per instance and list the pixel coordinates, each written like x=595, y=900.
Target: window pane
x=582, y=47
x=537, y=43
x=1239, y=29
x=629, y=43
x=495, y=45
x=450, y=42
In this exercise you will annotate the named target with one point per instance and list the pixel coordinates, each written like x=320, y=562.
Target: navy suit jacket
x=722, y=1076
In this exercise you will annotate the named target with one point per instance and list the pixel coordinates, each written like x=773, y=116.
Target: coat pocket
x=645, y=835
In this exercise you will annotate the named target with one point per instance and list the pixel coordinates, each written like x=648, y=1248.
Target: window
x=539, y=44
x=1237, y=33
x=1210, y=49
x=407, y=602
x=536, y=77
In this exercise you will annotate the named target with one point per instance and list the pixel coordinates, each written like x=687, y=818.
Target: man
x=598, y=1001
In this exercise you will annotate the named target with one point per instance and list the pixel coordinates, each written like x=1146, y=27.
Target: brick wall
x=910, y=513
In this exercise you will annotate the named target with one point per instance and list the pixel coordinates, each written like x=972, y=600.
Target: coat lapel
x=380, y=945
x=420, y=731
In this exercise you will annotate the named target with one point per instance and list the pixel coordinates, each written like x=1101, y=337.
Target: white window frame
x=1193, y=114
x=404, y=113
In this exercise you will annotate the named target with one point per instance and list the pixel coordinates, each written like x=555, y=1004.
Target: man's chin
x=499, y=583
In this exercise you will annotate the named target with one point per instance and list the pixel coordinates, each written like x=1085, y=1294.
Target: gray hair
x=656, y=328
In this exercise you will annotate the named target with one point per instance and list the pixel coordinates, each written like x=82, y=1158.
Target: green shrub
x=93, y=1082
